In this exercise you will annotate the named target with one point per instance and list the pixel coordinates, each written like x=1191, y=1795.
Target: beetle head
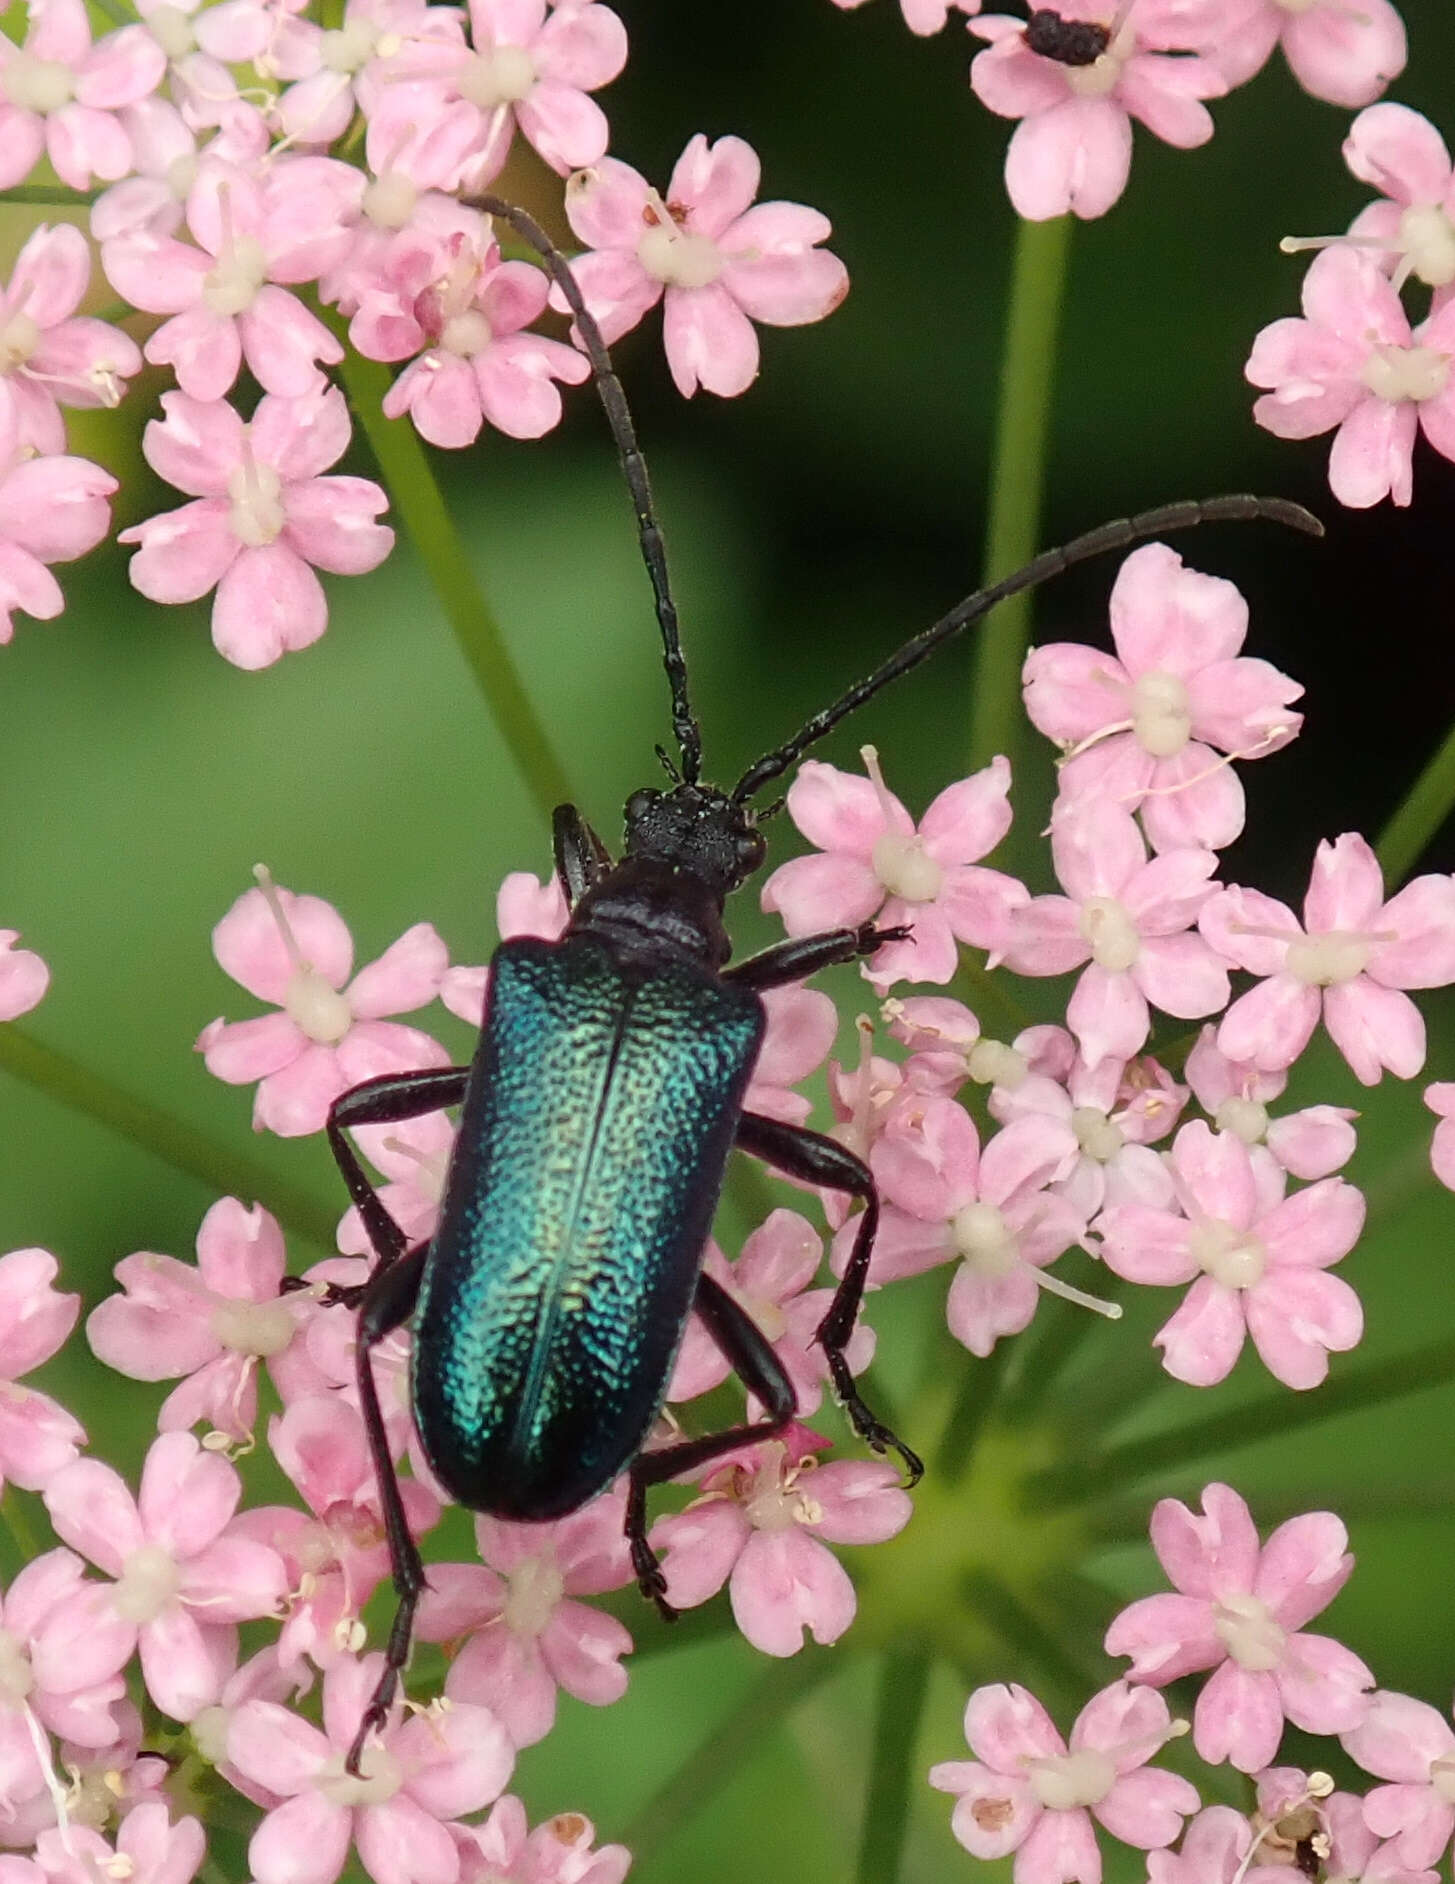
x=698, y=829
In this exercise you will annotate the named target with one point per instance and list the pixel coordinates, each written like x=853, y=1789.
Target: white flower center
x=1235, y=1258
x=381, y=1778
x=16, y=1679
x=179, y=176
x=255, y=513
x=993, y=1063
x=1399, y=373
x=533, y=1591
x=348, y=47
x=772, y=1500
x=1106, y=925
x=466, y=334
x=231, y=285
x=1064, y=1781
x=19, y=338
x=1161, y=716
x=1427, y=237
x=390, y=199
x=982, y=1239
x=1244, y=1118
x=905, y=869
x=38, y=84
x=170, y=27
x=1097, y=1136
x=501, y=77
x=149, y=1581
x=1442, y=1777
x=315, y=1008
x=262, y=1328
x=1246, y=1628
x=677, y=257
x=1324, y=961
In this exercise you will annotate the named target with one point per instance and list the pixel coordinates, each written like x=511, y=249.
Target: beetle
x=598, y=1114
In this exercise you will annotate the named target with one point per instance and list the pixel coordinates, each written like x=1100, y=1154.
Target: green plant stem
x=1275, y=1415
x=1022, y=424
x=417, y=498
x=904, y=1679
x=732, y=1741
x=1421, y=812
x=191, y=1152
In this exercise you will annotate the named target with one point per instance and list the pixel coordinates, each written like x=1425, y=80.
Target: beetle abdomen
x=599, y=1116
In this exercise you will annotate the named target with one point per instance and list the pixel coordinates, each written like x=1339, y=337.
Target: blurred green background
x=812, y=525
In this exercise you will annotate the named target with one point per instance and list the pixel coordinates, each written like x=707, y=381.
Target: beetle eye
x=640, y=803
x=752, y=849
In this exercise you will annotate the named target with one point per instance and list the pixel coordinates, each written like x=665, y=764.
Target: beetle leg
x=388, y=1302
x=815, y=1159
x=803, y=955
x=387, y=1100
x=750, y=1354
x=581, y=857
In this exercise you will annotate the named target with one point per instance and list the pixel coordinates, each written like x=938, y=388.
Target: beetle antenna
x=664, y=759
x=634, y=469
x=1119, y=534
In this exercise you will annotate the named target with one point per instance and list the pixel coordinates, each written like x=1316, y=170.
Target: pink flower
x=1213, y=1848
x=558, y=1851
x=1026, y=1793
x=447, y=115
x=1413, y=227
x=24, y=977
x=1300, y=1816
x=876, y=864
x=60, y=94
x=153, y=198
x=1311, y=1143
x=528, y=1635
x=1345, y=54
x=1145, y=730
x=1350, y=961
x=1410, y=1744
x=184, y=1578
x=922, y=16
x=213, y=1323
x=296, y=952
x=1130, y=920
x=418, y=1776
x=771, y=1281
x=414, y=1157
x=257, y=229
x=348, y=67
x=1259, y=1260
x=1240, y=1611
x=47, y=353
x=38, y=1437
x=721, y=261
x=52, y=510
x=65, y=1652
x=265, y=518
x=1073, y=148
x=478, y=364
x=148, y=1846
x=758, y=1528
x=802, y=1023
x=1440, y=1098
x=1353, y=363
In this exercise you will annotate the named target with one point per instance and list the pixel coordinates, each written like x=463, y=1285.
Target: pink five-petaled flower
x=148, y=1846
x=1410, y=1744
x=65, y=1648
x=24, y=977
x=184, y=1578
x=1350, y=959
x=1313, y=1142
x=416, y=1778
x=1353, y=362
x=1240, y=1611
x=1413, y=226
x=52, y=510
x=876, y=864
x=296, y=952
x=38, y=1437
x=527, y=1633
x=1344, y=53
x=265, y=517
x=60, y=94
x=479, y=364
x=1146, y=730
x=758, y=1528
x=1256, y=1261
x=1072, y=149
x=48, y=353
x=721, y=261
x=504, y=1851
x=1026, y=1793
x=1130, y=920
x=212, y=1323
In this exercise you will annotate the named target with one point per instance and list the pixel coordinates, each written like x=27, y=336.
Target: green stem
x=1085, y=1480
x=719, y=1756
x=1422, y=811
x=417, y=497
x=192, y=1153
x=904, y=1680
x=1022, y=424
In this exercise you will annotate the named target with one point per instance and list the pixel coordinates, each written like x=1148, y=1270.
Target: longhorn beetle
x=605, y=1095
